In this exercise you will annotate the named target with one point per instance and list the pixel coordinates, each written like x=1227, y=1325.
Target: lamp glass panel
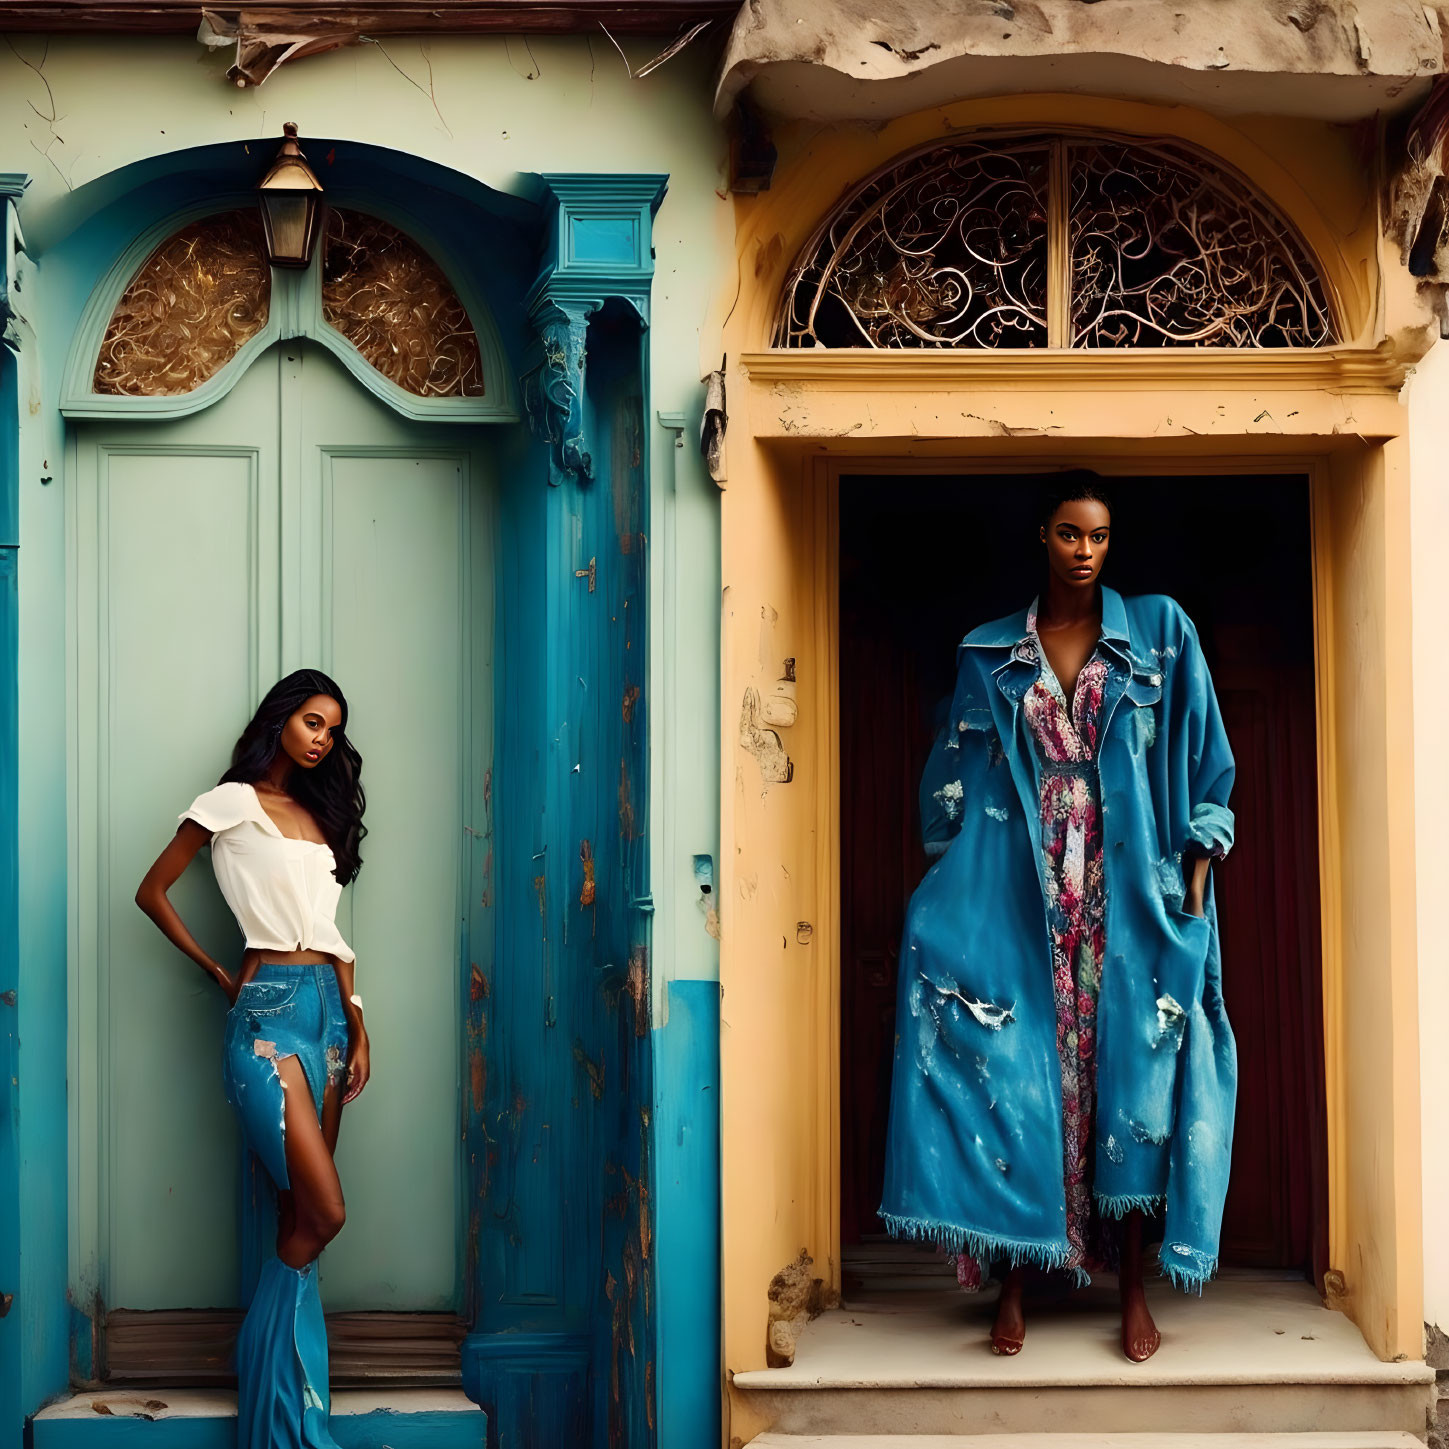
x=289, y=219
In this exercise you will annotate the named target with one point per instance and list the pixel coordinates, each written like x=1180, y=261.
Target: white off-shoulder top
x=281, y=890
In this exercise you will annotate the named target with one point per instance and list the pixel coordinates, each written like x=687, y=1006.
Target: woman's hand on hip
x=358, y=1066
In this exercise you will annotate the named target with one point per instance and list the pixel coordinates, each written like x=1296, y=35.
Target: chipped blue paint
x=559, y=1128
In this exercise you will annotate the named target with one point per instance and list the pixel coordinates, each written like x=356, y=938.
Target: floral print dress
x=1069, y=798
x=1071, y=828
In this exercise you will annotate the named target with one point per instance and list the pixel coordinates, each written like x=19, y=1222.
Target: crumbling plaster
x=1335, y=60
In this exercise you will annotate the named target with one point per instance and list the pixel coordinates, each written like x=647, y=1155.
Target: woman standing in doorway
x=285, y=825
x=1064, y=1064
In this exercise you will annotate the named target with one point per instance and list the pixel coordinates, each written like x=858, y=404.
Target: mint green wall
x=493, y=109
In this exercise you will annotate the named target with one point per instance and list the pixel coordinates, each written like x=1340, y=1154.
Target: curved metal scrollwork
x=199, y=297
x=1036, y=241
x=1166, y=252
x=947, y=250
x=393, y=303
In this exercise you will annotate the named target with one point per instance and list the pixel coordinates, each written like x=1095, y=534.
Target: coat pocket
x=1145, y=687
x=1144, y=694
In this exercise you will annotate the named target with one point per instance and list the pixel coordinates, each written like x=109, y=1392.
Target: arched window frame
x=295, y=312
x=1057, y=139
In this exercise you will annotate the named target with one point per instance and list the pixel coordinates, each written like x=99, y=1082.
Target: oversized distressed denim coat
x=974, y=1151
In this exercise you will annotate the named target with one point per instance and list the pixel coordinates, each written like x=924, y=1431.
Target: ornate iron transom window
x=1034, y=241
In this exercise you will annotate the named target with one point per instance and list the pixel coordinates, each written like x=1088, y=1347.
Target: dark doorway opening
x=925, y=558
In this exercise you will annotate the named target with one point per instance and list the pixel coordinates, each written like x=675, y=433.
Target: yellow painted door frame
x=800, y=418
x=780, y=964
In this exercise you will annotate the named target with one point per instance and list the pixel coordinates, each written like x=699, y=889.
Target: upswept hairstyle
x=1079, y=485
x=333, y=790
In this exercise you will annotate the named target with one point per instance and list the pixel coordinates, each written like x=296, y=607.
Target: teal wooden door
x=298, y=521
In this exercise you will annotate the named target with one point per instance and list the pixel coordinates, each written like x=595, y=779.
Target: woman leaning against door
x=284, y=824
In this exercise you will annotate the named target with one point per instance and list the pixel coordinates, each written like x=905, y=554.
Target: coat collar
x=1007, y=633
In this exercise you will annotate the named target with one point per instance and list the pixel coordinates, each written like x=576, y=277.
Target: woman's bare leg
x=317, y=1209
x=1140, y=1338
x=1008, y=1332
x=331, y=1122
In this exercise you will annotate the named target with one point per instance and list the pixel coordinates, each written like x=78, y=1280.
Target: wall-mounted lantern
x=291, y=201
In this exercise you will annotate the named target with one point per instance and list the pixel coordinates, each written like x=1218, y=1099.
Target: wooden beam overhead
x=381, y=17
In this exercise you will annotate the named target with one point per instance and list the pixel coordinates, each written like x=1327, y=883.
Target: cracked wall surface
x=835, y=59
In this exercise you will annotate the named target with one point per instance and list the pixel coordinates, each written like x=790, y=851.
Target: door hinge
x=591, y=573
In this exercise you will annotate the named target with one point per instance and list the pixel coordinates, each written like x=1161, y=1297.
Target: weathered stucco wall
x=1428, y=399
x=1334, y=59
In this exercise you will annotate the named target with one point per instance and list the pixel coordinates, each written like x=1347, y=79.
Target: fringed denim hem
x=982, y=1246
x=1185, y=1268
x=1120, y=1204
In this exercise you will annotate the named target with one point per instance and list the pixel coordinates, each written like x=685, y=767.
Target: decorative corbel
x=12, y=244
x=553, y=388
x=598, y=248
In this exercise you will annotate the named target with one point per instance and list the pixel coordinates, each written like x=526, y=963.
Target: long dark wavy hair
x=333, y=790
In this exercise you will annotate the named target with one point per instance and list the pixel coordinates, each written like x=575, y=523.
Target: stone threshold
x=1241, y=1331
x=1388, y=1439
x=1250, y=1356
x=206, y=1419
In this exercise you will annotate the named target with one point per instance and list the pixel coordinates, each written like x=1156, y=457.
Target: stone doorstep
x=1388, y=1440
x=1266, y=1412
x=1251, y=1356
x=206, y=1419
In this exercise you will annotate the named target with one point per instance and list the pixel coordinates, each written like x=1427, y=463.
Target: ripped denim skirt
x=283, y=1011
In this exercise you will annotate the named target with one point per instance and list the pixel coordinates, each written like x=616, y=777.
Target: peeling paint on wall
x=593, y=1069
x=776, y=767
x=626, y=803
x=586, y=860
x=638, y=989
x=795, y=1297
